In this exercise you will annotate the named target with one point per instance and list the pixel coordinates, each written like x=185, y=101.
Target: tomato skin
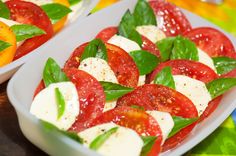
x=29, y=13
x=39, y=88
x=170, y=19
x=6, y=34
x=120, y=62
x=91, y=98
x=138, y=120
x=212, y=41
x=107, y=33
x=150, y=46
x=188, y=68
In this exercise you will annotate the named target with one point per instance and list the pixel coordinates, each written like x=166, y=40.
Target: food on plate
x=33, y=22
x=140, y=90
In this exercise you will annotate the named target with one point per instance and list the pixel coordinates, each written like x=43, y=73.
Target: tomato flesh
x=30, y=13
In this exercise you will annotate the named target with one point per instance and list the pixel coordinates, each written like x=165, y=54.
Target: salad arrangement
x=138, y=88
x=25, y=25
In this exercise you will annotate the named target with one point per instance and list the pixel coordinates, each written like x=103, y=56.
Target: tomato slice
x=212, y=41
x=170, y=18
x=147, y=45
x=120, y=62
x=6, y=35
x=29, y=13
x=138, y=120
x=91, y=97
x=188, y=68
x=161, y=98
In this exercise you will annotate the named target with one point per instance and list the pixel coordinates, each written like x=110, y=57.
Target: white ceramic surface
x=7, y=71
x=21, y=87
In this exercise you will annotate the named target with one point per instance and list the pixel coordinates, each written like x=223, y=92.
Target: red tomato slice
x=170, y=19
x=212, y=41
x=194, y=70
x=120, y=62
x=138, y=120
x=147, y=45
x=91, y=97
x=230, y=74
x=39, y=88
x=29, y=13
x=161, y=98
x=189, y=68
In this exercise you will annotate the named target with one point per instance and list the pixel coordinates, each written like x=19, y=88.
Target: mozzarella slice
x=152, y=32
x=124, y=43
x=195, y=90
x=123, y=142
x=109, y=105
x=165, y=122
x=40, y=2
x=206, y=59
x=45, y=106
x=99, y=69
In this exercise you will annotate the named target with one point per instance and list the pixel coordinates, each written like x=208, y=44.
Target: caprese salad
x=27, y=24
x=138, y=88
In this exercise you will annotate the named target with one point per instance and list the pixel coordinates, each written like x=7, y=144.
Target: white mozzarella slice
x=165, y=122
x=195, y=90
x=99, y=69
x=124, y=141
x=124, y=43
x=152, y=32
x=141, y=80
x=206, y=59
x=40, y=2
x=45, y=106
x=109, y=105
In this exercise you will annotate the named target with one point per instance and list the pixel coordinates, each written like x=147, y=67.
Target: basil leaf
x=138, y=107
x=127, y=28
x=165, y=47
x=144, y=14
x=55, y=11
x=61, y=104
x=114, y=91
x=25, y=31
x=219, y=86
x=184, y=49
x=73, y=2
x=50, y=127
x=145, y=61
x=99, y=140
x=52, y=73
x=165, y=77
x=148, y=142
x=4, y=45
x=224, y=64
x=95, y=48
x=180, y=123
x=4, y=11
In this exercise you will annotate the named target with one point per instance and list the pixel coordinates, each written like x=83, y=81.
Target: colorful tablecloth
x=223, y=141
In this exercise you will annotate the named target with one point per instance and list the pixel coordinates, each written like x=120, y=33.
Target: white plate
x=21, y=87
x=7, y=71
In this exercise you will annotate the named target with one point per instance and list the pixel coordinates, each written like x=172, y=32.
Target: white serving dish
x=22, y=85
x=7, y=71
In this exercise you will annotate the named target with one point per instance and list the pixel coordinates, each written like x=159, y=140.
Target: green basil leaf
x=52, y=73
x=184, y=49
x=4, y=45
x=25, y=31
x=165, y=77
x=219, y=86
x=73, y=2
x=145, y=61
x=127, y=28
x=99, y=140
x=138, y=107
x=50, y=127
x=61, y=104
x=148, y=142
x=95, y=48
x=114, y=91
x=180, y=123
x=144, y=14
x=165, y=46
x=55, y=11
x=4, y=11
x=224, y=64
